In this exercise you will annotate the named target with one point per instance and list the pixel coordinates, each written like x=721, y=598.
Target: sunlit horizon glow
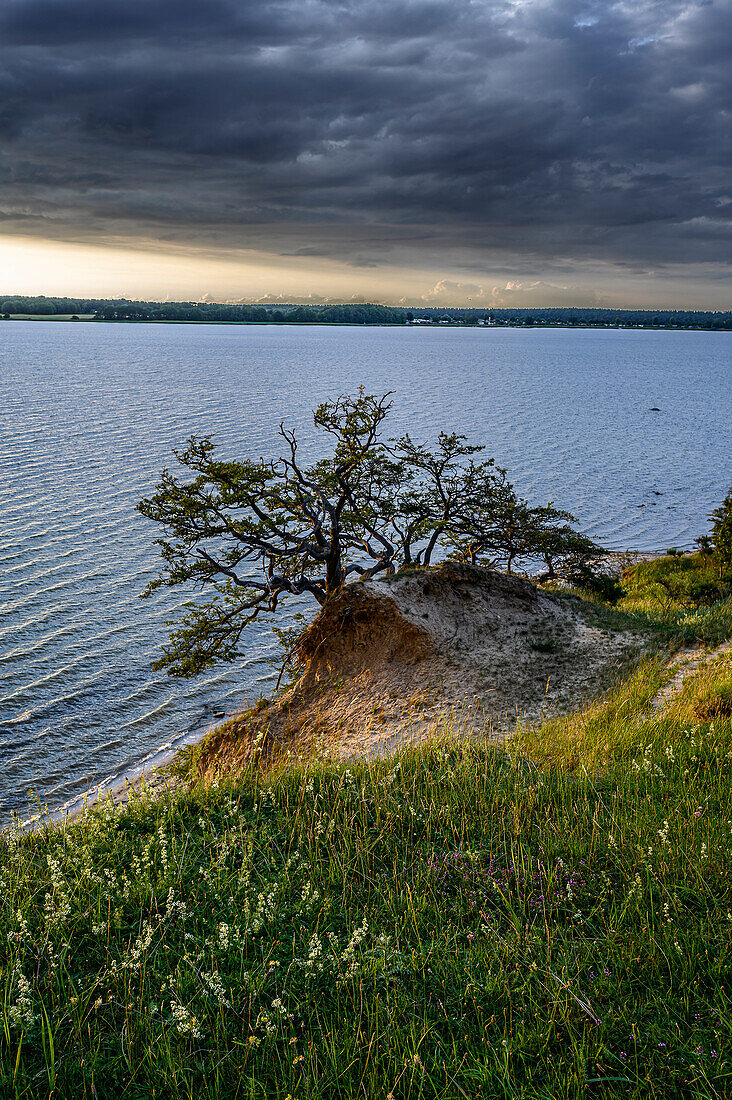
x=150, y=271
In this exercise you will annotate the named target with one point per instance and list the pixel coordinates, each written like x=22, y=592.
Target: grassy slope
x=454, y=922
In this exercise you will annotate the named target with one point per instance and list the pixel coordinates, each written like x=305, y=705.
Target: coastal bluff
x=393, y=660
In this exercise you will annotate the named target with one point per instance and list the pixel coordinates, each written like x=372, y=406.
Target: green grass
x=681, y=594
x=674, y=600
x=552, y=919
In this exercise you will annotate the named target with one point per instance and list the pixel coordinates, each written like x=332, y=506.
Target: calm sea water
x=89, y=414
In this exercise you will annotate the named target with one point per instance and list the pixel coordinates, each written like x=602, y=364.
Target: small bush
x=722, y=535
x=596, y=583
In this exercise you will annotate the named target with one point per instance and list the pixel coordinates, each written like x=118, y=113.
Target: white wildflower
x=185, y=1022
x=215, y=986
x=21, y=1013
x=140, y=947
x=174, y=907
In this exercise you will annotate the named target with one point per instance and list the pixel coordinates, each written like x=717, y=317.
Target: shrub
x=722, y=535
x=593, y=581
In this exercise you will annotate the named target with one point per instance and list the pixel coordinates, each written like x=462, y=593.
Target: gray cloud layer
x=576, y=131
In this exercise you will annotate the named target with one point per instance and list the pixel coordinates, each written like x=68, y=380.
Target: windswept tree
x=249, y=533
x=556, y=542
x=489, y=524
x=497, y=528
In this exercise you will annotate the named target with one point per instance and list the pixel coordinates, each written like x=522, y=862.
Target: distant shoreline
x=537, y=324
x=421, y=314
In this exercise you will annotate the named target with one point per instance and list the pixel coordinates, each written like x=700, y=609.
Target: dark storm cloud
x=592, y=129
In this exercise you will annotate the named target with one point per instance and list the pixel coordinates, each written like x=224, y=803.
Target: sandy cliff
x=390, y=659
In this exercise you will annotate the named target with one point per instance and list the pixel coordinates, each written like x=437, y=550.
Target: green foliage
x=722, y=535
x=594, y=582
x=679, y=594
x=564, y=550
x=684, y=581
x=548, y=919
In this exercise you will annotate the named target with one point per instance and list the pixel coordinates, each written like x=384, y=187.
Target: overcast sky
x=489, y=152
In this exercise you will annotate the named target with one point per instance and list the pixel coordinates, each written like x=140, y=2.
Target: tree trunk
x=333, y=571
x=431, y=545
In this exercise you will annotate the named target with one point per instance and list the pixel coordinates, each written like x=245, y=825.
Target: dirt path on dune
x=686, y=662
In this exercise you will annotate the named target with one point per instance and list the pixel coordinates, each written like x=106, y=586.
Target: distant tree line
x=104, y=309
x=48, y=307
x=610, y=318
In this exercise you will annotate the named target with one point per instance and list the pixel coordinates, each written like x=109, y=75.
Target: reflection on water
x=89, y=414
